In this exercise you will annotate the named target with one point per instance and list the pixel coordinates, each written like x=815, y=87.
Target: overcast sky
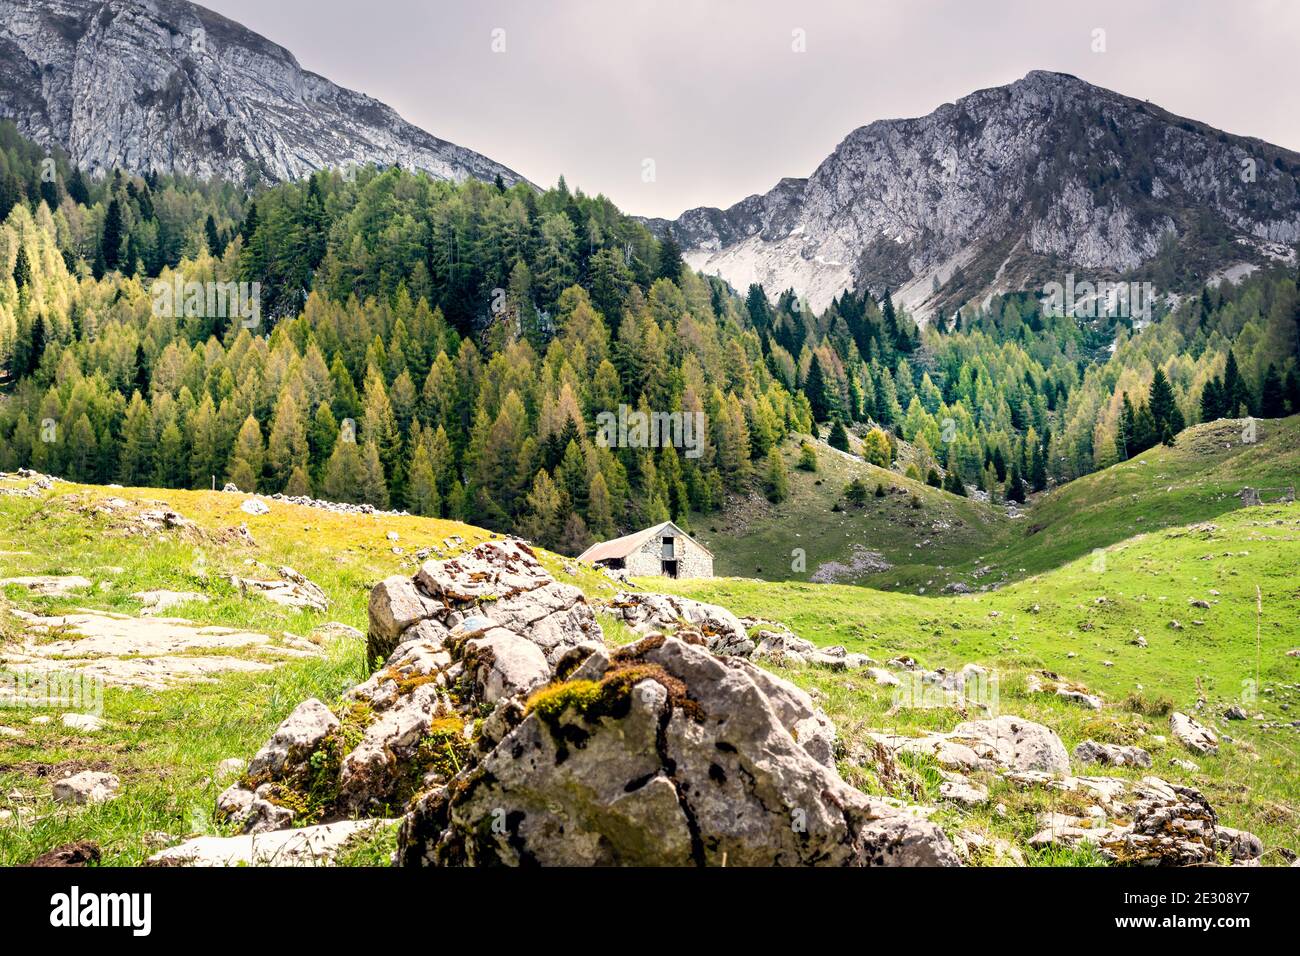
x=714, y=92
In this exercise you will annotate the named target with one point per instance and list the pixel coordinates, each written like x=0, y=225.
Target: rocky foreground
x=501, y=729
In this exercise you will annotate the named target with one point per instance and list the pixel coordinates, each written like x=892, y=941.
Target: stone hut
x=664, y=549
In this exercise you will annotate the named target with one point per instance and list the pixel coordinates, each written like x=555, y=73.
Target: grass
x=754, y=538
x=1054, y=621
x=953, y=539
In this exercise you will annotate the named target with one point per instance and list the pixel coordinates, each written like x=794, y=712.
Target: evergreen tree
x=807, y=457
x=839, y=437
x=247, y=458
x=778, y=482
x=1016, y=486
x=22, y=269
x=669, y=265
x=111, y=240
x=422, y=496
x=345, y=473
x=1272, y=399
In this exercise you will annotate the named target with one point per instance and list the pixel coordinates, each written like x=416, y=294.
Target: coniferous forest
x=446, y=349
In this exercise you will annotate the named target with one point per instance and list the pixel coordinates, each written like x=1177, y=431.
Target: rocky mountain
x=168, y=86
x=1005, y=189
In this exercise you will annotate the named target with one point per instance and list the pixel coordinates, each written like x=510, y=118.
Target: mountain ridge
x=1001, y=188
x=167, y=86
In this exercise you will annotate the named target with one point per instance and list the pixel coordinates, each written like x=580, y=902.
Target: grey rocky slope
x=168, y=86
x=1004, y=189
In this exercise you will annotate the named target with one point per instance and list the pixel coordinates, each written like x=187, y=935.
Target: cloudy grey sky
x=714, y=92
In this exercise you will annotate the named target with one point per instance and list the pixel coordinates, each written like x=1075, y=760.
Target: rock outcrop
x=508, y=732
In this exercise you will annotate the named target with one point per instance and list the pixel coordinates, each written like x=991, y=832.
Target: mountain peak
x=168, y=86
x=1004, y=189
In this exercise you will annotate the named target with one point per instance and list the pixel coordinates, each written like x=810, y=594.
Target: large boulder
x=661, y=754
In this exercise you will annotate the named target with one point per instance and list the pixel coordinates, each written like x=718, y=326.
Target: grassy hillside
x=952, y=539
x=1080, y=621
x=755, y=538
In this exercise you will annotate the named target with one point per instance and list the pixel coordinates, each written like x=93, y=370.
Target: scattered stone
x=49, y=585
x=1111, y=755
x=882, y=677
x=1004, y=741
x=966, y=794
x=292, y=590
x=1079, y=697
x=1235, y=712
x=649, y=612
x=86, y=723
x=89, y=786
x=306, y=846
x=153, y=653
x=229, y=769
x=10, y=732
x=336, y=630
x=1184, y=765
x=862, y=562
x=157, y=601
x=1193, y=735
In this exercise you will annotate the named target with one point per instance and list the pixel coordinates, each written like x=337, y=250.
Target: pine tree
x=422, y=496
x=299, y=485
x=1038, y=469
x=600, y=518
x=839, y=437
x=1164, y=410
x=818, y=392
x=345, y=473
x=135, y=462
x=210, y=235
x=22, y=269
x=287, y=448
x=247, y=458
x=373, y=490
x=669, y=264
x=111, y=240
x=1272, y=399
x=1016, y=486
x=778, y=482
x=807, y=457
x=1212, y=400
